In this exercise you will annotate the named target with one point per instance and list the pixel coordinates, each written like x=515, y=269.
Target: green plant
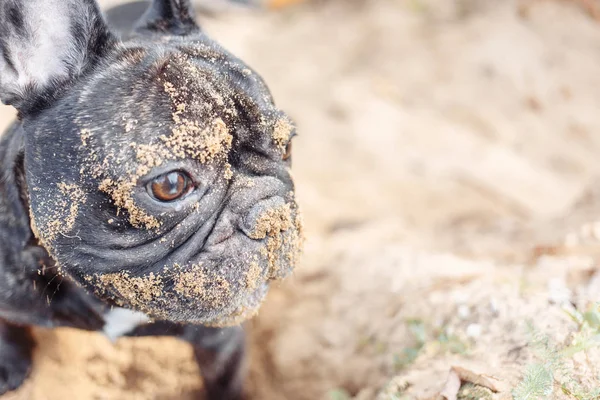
x=338, y=394
x=552, y=367
x=409, y=354
x=470, y=391
x=424, y=336
x=537, y=383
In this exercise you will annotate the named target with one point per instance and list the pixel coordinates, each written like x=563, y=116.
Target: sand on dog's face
x=206, y=258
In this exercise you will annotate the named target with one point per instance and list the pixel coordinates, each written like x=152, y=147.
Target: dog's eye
x=288, y=151
x=171, y=186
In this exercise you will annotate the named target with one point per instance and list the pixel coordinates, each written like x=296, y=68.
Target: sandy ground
x=448, y=169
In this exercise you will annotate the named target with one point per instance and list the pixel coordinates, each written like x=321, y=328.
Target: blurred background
x=448, y=167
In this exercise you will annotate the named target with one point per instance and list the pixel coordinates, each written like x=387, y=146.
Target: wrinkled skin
x=82, y=228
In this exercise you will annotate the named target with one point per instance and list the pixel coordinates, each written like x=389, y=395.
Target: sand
x=447, y=167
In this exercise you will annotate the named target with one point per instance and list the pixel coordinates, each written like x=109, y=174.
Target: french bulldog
x=148, y=172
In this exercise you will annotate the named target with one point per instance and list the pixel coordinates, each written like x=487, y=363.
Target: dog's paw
x=16, y=347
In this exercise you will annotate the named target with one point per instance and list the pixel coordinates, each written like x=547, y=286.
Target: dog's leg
x=16, y=348
x=221, y=356
x=220, y=353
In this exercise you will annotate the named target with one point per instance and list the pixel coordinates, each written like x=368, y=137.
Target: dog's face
x=160, y=179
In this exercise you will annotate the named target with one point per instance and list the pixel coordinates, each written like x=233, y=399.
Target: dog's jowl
x=149, y=175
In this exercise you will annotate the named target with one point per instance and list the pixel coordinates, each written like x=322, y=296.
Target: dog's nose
x=265, y=217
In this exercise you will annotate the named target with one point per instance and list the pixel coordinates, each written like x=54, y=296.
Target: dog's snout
x=252, y=223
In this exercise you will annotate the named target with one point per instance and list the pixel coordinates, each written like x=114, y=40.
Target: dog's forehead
x=150, y=84
x=151, y=105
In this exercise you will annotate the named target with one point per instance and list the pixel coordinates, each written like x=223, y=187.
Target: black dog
x=150, y=174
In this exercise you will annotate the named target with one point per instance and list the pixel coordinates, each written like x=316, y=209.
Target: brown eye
x=171, y=186
x=288, y=152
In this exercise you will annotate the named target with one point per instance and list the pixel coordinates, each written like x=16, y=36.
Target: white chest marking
x=120, y=321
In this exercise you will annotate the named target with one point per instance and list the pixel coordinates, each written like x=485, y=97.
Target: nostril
x=253, y=224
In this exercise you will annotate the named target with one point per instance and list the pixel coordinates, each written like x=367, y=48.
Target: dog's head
x=157, y=168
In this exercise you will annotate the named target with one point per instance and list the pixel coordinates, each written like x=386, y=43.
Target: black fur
x=79, y=232
x=172, y=16
x=16, y=348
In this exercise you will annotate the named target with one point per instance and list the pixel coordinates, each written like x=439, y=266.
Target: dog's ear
x=173, y=17
x=45, y=45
